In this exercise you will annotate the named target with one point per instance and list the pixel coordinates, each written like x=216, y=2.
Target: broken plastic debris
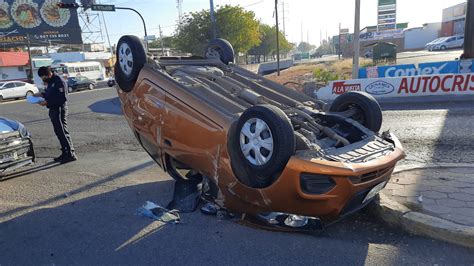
x=154, y=211
x=420, y=198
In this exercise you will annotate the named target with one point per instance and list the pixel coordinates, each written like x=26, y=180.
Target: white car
x=16, y=89
x=429, y=46
x=450, y=42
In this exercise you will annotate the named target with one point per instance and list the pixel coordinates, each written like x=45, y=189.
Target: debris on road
x=154, y=211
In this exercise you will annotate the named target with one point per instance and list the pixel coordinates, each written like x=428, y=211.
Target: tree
x=168, y=42
x=267, y=45
x=305, y=47
x=234, y=24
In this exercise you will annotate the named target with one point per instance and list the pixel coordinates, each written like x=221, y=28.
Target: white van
x=92, y=70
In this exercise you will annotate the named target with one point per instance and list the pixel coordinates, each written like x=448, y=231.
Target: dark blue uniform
x=56, y=97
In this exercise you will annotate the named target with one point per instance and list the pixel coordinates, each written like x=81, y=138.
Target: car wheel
x=29, y=93
x=367, y=109
x=443, y=47
x=179, y=171
x=91, y=86
x=1, y=98
x=131, y=57
x=260, y=145
x=222, y=49
x=70, y=90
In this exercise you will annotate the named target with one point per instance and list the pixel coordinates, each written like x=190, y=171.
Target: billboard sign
x=397, y=87
x=387, y=13
x=41, y=20
x=434, y=68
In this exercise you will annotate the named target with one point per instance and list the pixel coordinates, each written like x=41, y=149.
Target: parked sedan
x=80, y=83
x=16, y=89
x=16, y=146
x=449, y=43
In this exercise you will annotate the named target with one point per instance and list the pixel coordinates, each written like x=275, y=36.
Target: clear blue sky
x=316, y=16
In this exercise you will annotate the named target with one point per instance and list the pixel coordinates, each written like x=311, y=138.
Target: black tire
x=443, y=47
x=91, y=86
x=29, y=93
x=221, y=48
x=1, y=98
x=70, y=90
x=278, y=127
x=126, y=71
x=369, y=113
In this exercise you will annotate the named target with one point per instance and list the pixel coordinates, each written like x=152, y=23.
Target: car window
x=460, y=37
x=451, y=39
x=10, y=85
x=19, y=84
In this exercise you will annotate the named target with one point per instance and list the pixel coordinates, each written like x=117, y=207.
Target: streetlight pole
x=143, y=21
x=468, y=31
x=355, y=66
x=277, y=39
x=213, y=20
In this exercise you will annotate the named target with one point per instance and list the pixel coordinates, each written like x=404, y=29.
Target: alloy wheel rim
x=256, y=141
x=126, y=59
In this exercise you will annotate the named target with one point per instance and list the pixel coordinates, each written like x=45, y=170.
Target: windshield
x=2, y=83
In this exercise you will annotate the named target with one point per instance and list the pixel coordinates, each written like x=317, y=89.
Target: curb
x=414, y=222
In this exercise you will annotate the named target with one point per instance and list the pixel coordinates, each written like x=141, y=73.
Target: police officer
x=55, y=97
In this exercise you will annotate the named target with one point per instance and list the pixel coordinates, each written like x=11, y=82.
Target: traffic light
x=68, y=5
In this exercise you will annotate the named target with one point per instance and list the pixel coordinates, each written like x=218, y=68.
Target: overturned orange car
x=265, y=147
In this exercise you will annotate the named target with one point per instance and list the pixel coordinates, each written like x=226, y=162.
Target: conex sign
x=450, y=84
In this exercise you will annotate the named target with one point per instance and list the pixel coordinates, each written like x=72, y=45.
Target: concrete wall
x=12, y=73
x=417, y=38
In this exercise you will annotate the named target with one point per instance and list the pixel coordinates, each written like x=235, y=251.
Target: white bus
x=92, y=70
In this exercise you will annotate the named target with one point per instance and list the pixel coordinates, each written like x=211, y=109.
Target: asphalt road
x=85, y=212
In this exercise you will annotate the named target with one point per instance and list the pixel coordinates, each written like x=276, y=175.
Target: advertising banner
x=448, y=67
x=41, y=20
x=436, y=85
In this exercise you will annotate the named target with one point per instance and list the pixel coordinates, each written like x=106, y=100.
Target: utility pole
x=320, y=37
x=302, y=31
x=283, y=10
x=108, y=37
x=355, y=65
x=339, y=48
x=28, y=43
x=469, y=31
x=213, y=20
x=161, y=41
x=277, y=38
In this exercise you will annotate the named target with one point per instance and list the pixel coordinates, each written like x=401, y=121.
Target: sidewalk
x=435, y=200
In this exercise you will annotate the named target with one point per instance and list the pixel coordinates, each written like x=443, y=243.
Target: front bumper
x=15, y=152
x=351, y=184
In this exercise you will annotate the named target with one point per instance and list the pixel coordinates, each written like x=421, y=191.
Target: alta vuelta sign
x=342, y=87
x=436, y=85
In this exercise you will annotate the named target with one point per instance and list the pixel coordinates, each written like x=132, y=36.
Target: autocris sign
x=449, y=84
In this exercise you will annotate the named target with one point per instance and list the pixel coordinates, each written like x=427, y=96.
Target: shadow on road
x=109, y=106
x=30, y=170
x=81, y=189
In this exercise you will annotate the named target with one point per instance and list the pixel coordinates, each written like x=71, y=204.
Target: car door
x=8, y=90
x=450, y=43
x=146, y=110
x=20, y=89
x=459, y=41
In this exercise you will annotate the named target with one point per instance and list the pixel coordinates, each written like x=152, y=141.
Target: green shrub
x=323, y=75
